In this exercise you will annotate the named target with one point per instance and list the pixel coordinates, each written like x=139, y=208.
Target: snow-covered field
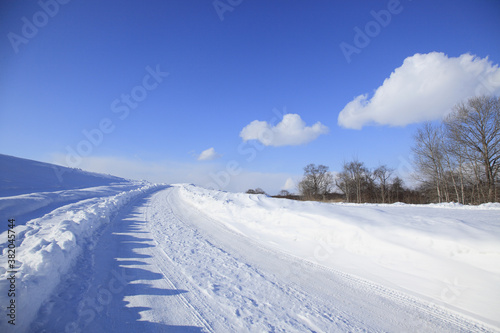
x=125, y=256
x=445, y=253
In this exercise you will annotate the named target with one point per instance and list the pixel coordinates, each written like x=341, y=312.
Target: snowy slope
x=449, y=254
x=30, y=189
x=50, y=246
x=22, y=176
x=52, y=227
x=139, y=257
x=162, y=265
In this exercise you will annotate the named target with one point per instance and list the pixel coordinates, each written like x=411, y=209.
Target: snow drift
x=448, y=254
x=50, y=246
x=57, y=213
x=22, y=176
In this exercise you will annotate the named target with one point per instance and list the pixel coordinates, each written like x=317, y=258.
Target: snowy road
x=162, y=265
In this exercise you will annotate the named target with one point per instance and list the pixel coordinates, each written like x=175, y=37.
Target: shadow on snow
x=96, y=296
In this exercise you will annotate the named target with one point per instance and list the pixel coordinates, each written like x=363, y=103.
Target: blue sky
x=67, y=68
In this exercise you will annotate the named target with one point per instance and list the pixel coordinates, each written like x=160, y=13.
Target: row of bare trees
x=459, y=158
x=357, y=183
x=360, y=184
x=317, y=182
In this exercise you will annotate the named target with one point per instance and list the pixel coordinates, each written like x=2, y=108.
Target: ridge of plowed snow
x=163, y=265
x=50, y=246
x=186, y=258
x=448, y=254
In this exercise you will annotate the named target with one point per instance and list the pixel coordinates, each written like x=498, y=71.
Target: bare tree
x=284, y=193
x=460, y=158
x=346, y=184
x=317, y=181
x=475, y=126
x=428, y=152
x=258, y=190
x=397, y=189
x=455, y=163
x=354, y=181
x=383, y=174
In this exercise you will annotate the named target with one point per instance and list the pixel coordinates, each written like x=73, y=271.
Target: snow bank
x=20, y=206
x=448, y=254
x=51, y=246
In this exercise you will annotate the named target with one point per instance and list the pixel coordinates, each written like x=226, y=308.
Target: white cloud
x=208, y=155
x=425, y=87
x=291, y=131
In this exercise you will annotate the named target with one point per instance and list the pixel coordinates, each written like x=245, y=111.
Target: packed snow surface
x=446, y=253
x=50, y=245
x=139, y=257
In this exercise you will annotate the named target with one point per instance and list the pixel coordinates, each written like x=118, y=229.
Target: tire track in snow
x=121, y=288
x=162, y=267
x=227, y=282
x=231, y=294
x=414, y=314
